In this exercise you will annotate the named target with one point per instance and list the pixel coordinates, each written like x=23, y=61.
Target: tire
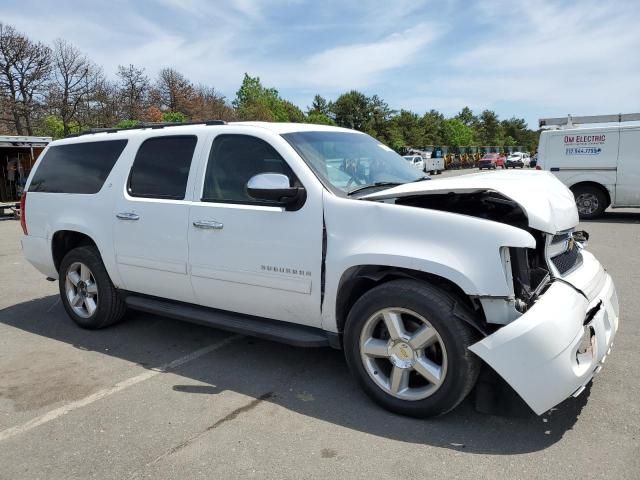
x=84, y=266
x=590, y=201
x=418, y=303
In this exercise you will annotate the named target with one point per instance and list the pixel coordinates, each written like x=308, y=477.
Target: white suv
x=321, y=236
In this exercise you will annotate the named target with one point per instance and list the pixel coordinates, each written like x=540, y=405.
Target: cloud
x=519, y=57
x=357, y=65
x=556, y=57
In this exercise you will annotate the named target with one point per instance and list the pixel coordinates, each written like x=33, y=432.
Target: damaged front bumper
x=554, y=349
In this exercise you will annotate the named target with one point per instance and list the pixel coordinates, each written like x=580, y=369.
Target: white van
x=601, y=165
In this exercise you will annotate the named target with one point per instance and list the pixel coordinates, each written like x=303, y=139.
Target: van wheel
x=408, y=349
x=591, y=202
x=87, y=293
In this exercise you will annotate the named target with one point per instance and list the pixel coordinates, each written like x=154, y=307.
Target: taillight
x=23, y=213
x=538, y=167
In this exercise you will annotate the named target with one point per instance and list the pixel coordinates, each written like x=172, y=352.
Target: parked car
x=598, y=163
x=515, y=160
x=315, y=236
x=491, y=161
x=416, y=160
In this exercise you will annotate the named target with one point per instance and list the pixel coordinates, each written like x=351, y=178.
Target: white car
x=322, y=236
x=518, y=160
x=416, y=160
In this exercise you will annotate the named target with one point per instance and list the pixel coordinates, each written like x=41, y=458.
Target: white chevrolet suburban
x=322, y=236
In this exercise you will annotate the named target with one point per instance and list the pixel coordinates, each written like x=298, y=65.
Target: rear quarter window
x=77, y=167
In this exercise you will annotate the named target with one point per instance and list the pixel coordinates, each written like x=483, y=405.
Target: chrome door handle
x=128, y=216
x=208, y=224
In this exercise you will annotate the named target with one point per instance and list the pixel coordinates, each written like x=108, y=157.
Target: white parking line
x=118, y=387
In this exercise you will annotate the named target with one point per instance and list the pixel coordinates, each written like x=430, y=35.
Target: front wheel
x=408, y=349
x=88, y=295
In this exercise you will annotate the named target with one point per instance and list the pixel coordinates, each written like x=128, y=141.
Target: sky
x=522, y=58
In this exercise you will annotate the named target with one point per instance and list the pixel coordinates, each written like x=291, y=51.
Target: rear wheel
x=87, y=293
x=590, y=201
x=409, y=351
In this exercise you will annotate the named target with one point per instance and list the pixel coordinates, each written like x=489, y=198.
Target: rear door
x=248, y=256
x=151, y=219
x=628, y=184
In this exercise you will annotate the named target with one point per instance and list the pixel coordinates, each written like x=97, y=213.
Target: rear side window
x=161, y=167
x=76, y=168
x=233, y=160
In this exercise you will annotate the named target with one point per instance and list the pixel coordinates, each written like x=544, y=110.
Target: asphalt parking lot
x=157, y=398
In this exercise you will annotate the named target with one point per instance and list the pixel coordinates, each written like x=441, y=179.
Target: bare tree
x=104, y=105
x=175, y=92
x=24, y=70
x=133, y=89
x=208, y=104
x=74, y=80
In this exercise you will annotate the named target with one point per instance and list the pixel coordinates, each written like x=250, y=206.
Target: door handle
x=128, y=216
x=208, y=224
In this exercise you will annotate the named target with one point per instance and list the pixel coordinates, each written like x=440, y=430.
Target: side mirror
x=274, y=187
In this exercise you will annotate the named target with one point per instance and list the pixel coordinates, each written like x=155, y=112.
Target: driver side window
x=233, y=160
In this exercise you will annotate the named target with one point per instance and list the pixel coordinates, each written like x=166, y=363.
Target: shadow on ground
x=614, y=216
x=312, y=382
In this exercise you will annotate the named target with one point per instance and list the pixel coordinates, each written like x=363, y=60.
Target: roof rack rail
x=143, y=125
x=570, y=121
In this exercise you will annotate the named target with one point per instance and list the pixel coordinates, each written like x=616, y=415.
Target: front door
x=248, y=256
x=151, y=219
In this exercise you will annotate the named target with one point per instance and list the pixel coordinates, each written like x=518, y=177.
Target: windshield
x=352, y=161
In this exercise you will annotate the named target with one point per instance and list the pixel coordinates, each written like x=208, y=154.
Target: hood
x=548, y=204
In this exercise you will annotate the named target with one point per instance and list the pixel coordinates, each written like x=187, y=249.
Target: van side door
x=628, y=184
x=249, y=256
x=150, y=218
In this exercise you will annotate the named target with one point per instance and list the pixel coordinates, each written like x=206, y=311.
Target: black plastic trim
x=284, y=332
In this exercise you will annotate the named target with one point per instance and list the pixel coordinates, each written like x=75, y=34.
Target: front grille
x=567, y=260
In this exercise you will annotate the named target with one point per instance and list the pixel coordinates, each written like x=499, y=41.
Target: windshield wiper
x=421, y=179
x=373, y=185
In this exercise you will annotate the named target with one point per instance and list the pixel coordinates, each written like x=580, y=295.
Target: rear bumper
x=37, y=251
x=553, y=350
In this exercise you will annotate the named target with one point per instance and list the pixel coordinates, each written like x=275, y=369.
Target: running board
x=284, y=332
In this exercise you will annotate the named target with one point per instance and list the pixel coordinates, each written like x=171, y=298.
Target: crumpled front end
x=553, y=350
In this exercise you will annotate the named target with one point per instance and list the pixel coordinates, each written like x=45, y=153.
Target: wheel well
x=66, y=240
x=596, y=185
x=356, y=281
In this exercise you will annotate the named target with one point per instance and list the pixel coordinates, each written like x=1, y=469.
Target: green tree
x=319, y=106
x=256, y=102
x=174, y=117
x=456, y=134
x=432, y=124
x=406, y=131
x=294, y=114
x=467, y=117
x=352, y=110
x=53, y=126
x=489, y=129
x=319, y=119
x=127, y=124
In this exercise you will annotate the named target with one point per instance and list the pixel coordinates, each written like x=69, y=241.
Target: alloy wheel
x=81, y=290
x=403, y=353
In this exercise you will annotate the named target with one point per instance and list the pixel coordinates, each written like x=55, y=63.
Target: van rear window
x=77, y=167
